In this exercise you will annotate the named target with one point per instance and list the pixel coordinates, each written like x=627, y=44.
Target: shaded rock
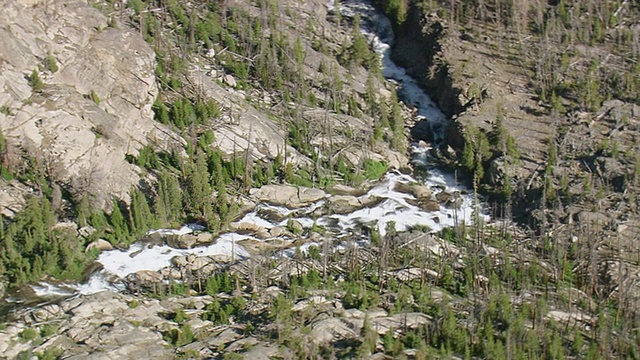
x=199, y=347
x=186, y=241
x=260, y=352
x=246, y=227
x=428, y=205
x=452, y=201
x=613, y=170
x=47, y=312
x=242, y=344
x=224, y=337
x=588, y=217
x=258, y=247
x=143, y=278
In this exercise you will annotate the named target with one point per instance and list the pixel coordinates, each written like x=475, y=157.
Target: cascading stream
x=392, y=205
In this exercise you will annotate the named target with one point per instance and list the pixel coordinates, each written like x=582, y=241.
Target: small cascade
x=391, y=205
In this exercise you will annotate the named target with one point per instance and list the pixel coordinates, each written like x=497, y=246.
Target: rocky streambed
x=283, y=219
x=280, y=221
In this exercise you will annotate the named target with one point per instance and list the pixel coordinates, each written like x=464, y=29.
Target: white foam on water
x=254, y=218
x=396, y=207
x=184, y=230
x=45, y=289
x=142, y=257
x=97, y=283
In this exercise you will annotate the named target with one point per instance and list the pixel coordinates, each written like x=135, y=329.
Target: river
x=393, y=205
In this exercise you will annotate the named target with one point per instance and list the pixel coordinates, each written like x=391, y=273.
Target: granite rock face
x=94, y=104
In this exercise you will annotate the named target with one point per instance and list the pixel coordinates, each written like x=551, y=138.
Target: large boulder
x=288, y=195
x=420, y=192
x=181, y=241
x=100, y=244
x=343, y=204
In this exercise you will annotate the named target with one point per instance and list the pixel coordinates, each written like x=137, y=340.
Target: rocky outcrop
x=287, y=195
x=94, y=104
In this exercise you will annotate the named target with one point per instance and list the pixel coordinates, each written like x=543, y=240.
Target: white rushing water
x=393, y=206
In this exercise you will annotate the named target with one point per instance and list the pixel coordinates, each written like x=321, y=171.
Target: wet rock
x=427, y=205
x=100, y=244
x=449, y=200
x=271, y=215
x=186, y=241
x=245, y=227
x=420, y=192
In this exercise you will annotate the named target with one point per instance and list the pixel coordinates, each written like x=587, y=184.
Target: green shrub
x=48, y=329
x=28, y=334
x=35, y=82
x=374, y=170
x=51, y=64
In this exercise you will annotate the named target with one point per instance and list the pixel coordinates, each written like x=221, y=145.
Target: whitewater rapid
x=394, y=206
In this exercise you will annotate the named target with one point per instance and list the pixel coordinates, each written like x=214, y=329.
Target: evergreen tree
x=198, y=198
x=140, y=217
x=168, y=203
x=120, y=228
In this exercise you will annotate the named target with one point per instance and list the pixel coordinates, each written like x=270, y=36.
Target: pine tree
x=120, y=228
x=168, y=203
x=141, y=219
x=199, y=193
x=83, y=211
